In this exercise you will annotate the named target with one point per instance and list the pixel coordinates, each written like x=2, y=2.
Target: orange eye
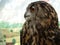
x=32, y=8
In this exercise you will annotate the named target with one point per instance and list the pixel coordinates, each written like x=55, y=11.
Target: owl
x=41, y=25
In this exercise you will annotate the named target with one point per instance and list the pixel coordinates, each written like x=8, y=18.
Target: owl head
x=43, y=12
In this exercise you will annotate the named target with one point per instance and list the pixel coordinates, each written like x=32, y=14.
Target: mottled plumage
x=41, y=26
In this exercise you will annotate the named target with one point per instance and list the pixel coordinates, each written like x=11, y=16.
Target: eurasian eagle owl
x=41, y=26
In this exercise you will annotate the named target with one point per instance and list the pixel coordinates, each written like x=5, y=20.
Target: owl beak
x=27, y=14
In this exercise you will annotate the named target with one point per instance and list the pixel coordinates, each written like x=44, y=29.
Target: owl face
x=36, y=9
x=31, y=11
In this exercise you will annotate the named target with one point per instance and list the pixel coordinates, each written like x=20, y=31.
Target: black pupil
x=32, y=8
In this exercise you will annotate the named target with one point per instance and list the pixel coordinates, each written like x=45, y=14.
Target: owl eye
x=32, y=8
